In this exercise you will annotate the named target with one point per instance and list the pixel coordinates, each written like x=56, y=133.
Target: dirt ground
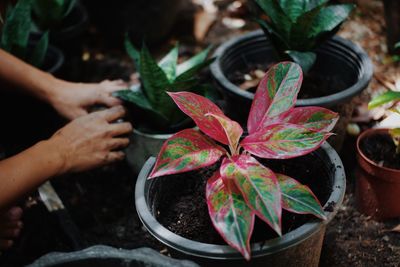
x=101, y=202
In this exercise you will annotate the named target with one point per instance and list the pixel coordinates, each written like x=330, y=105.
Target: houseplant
x=341, y=69
x=378, y=156
x=16, y=39
x=154, y=114
x=243, y=187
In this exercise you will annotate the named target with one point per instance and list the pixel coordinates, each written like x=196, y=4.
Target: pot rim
x=369, y=132
x=259, y=249
x=366, y=71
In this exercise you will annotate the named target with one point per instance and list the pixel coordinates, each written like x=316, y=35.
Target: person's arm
x=85, y=143
x=70, y=99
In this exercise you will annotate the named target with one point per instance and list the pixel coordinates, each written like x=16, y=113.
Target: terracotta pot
x=377, y=188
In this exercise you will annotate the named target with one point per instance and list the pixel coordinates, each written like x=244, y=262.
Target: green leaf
x=293, y=8
x=169, y=62
x=305, y=59
x=384, y=98
x=193, y=71
x=68, y=6
x=298, y=198
x=39, y=53
x=273, y=34
x=329, y=18
x=154, y=83
x=397, y=45
x=193, y=62
x=135, y=97
x=15, y=31
x=258, y=186
x=132, y=52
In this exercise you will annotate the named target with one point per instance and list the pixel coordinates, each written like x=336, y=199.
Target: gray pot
x=143, y=146
x=300, y=247
x=104, y=256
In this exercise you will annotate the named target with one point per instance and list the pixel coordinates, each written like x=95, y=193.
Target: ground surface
x=101, y=202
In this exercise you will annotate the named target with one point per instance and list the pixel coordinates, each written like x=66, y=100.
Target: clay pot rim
x=370, y=132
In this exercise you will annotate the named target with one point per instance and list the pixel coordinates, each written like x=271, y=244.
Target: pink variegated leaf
x=229, y=213
x=312, y=118
x=276, y=94
x=299, y=198
x=197, y=107
x=186, y=151
x=259, y=187
x=283, y=141
x=232, y=129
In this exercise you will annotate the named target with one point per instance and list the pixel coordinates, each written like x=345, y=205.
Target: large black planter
x=335, y=58
x=103, y=256
x=298, y=247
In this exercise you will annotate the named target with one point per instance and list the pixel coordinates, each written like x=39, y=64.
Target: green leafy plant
x=390, y=99
x=157, y=78
x=297, y=27
x=48, y=14
x=16, y=31
x=243, y=188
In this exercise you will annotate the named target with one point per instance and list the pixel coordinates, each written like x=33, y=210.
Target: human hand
x=92, y=140
x=73, y=100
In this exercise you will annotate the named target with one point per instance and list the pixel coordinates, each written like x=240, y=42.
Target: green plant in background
x=158, y=78
x=15, y=34
x=297, y=27
x=48, y=14
x=386, y=98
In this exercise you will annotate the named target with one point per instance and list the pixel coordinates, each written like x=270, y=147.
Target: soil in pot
x=381, y=149
x=185, y=212
x=314, y=84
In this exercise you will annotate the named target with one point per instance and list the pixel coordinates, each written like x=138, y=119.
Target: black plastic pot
x=335, y=58
x=103, y=256
x=299, y=247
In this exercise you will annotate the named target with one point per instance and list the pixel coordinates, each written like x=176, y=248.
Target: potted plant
x=301, y=31
x=378, y=156
x=16, y=39
x=240, y=187
x=109, y=257
x=66, y=19
x=154, y=114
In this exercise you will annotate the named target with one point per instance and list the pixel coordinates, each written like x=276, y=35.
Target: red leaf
x=186, y=151
x=283, y=141
x=258, y=185
x=197, y=107
x=229, y=213
x=232, y=130
x=276, y=94
x=313, y=118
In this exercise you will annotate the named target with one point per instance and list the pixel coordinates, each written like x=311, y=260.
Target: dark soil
x=382, y=150
x=186, y=214
x=314, y=84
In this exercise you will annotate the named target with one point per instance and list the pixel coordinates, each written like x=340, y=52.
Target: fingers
x=112, y=86
x=118, y=143
x=114, y=156
x=109, y=100
x=120, y=128
x=112, y=114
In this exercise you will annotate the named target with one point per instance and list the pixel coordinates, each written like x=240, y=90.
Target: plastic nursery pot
x=377, y=187
x=105, y=256
x=337, y=59
x=298, y=247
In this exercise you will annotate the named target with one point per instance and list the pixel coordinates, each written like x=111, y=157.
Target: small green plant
x=48, y=14
x=243, y=188
x=297, y=27
x=158, y=78
x=391, y=98
x=15, y=34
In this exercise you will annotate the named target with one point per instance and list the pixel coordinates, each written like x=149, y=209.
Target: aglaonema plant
x=297, y=27
x=158, y=78
x=391, y=99
x=243, y=188
x=15, y=34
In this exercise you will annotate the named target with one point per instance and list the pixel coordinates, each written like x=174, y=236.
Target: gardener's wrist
x=55, y=162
